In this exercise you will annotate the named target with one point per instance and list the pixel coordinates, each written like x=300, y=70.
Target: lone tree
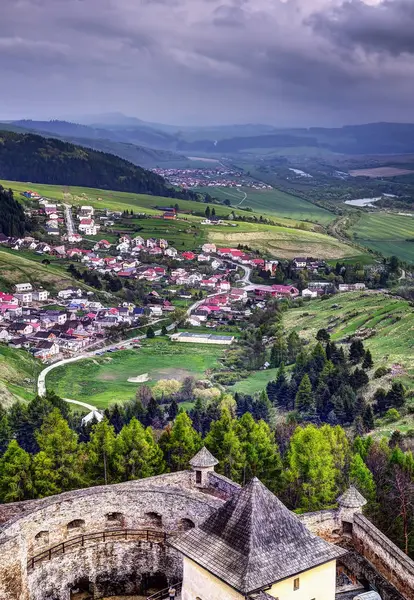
x=323, y=336
x=150, y=332
x=368, y=362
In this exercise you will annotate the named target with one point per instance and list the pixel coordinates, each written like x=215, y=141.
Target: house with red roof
x=188, y=255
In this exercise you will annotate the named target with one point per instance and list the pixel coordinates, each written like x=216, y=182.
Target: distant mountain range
x=143, y=143
x=29, y=157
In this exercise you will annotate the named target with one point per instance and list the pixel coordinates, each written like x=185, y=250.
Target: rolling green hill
x=18, y=374
x=27, y=157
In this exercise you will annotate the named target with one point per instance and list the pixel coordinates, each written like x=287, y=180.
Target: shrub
x=380, y=372
x=392, y=415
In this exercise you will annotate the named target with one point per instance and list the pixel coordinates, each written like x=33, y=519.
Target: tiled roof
x=203, y=458
x=253, y=541
x=352, y=498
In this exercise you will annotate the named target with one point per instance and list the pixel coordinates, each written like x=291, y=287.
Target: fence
x=146, y=535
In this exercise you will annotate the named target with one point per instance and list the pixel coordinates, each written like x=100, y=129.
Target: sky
x=281, y=62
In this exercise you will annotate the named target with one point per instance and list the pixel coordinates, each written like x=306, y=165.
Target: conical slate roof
x=253, y=541
x=352, y=498
x=203, y=458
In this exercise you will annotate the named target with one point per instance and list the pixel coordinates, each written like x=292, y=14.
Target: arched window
x=153, y=519
x=115, y=519
x=76, y=524
x=42, y=538
x=185, y=524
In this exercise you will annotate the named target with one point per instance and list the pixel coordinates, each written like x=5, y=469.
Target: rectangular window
x=198, y=476
x=296, y=584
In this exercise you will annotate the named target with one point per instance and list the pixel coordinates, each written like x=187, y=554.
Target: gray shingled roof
x=253, y=541
x=203, y=458
x=352, y=498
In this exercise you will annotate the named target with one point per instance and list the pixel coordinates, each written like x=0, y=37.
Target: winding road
x=41, y=381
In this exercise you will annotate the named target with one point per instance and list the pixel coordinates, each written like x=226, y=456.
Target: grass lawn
x=18, y=374
x=386, y=233
x=281, y=242
x=391, y=318
x=255, y=383
x=103, y=380
x=274, y=202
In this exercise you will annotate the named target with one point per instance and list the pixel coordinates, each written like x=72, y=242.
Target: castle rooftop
x=203, y=459
x=254, y=541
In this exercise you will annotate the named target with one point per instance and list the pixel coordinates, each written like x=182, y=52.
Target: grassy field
x=182, y=235
x=281, y=242
x=18, y=373
x=386, y=233
x=103, y=380
x=392, y=320
x=255, y=383
x=274, y=202
x=20, y=267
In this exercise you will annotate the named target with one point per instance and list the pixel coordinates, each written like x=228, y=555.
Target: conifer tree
x=100, y=451
x=368, y=362
x=311, y=477
x=368, y=418
x=173, y=410
x=294, y=346
x=396, y=395
x=60, y=445
x=304, y=401
x=15, y=474
x=137, y=454
x=356, y=352
x=181, y=443
x=278, y=353
x=362, y=478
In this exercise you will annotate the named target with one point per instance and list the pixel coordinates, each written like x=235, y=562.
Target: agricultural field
x=273, y=202
x=389, y=319
x=18, y=375
x=254, y=383
x=103, y=380
x=386, y=233
x=281, y=242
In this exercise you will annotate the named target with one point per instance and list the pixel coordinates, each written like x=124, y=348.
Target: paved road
x=69, y=219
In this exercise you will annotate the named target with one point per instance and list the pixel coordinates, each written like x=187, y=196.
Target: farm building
x=202, y=338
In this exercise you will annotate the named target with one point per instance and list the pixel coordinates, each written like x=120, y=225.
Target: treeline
x=27, y=157
x=45, y=452
x=12, y=217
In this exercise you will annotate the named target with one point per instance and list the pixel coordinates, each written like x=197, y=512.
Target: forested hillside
x=12, y=218
x=27, y=157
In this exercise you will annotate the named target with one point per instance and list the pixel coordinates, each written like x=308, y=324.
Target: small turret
x=202, y=464
x=350, y=503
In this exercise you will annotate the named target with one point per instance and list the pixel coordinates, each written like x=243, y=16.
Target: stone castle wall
x=166, y=503
x=395, y=566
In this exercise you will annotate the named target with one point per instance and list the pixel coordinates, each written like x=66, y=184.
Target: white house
x=207, y=248
x=40, y=295
x=309, y=293
x=23, y=287
x=25, y=297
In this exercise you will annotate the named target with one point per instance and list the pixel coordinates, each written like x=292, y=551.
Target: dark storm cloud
x=386, y=28
x=281, y=61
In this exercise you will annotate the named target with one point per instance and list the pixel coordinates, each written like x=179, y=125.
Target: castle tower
x=350, y=503
x=202, y=464
x=253, y=546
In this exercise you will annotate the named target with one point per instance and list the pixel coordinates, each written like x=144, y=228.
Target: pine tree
x=100, y=450
x=311, y=475
x=207, y=212
x=261, y=453
x=368, y=418
x=173, y=410
x=304, y=401
x=44, y=476
x=5, y=433
x=181, y=444
x=150, y=333
x=60, y=445
x=381, y=401
x=278, y=353
x=136, y=453
x=396, y=395
x=368, y=362
x=362, y=478
x=294, y=346
x=356, y=352
x=323, y=336
x=15, y=474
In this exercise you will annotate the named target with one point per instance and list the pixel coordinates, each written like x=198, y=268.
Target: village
x=213, y=285
x=220, y=176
